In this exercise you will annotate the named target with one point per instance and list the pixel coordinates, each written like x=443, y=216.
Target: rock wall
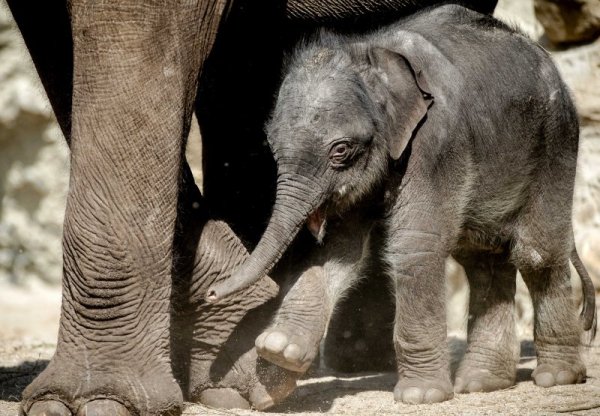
x=34, y=164
x=33, y=168
x=567, y=21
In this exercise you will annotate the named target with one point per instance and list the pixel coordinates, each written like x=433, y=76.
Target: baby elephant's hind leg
x=492, y=351
x=557, y=331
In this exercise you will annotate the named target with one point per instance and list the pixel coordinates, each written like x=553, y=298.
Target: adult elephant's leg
x=135, y=70
x=213, y=344
x=492, y=351
x=47, y=34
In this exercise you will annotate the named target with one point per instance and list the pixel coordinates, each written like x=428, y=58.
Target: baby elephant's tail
x=588, y=312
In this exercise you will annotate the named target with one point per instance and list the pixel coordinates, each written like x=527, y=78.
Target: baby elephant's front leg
x=292, y=340
x=417, y=268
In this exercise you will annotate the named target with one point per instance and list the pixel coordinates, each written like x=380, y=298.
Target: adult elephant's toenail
x=103, y=407
x=261, y=399
x=224, y=398
x=48, y=408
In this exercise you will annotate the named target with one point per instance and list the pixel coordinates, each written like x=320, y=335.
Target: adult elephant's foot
x=232, y=375
x=559, y=373
x=292, y=340
x=213, y=344
x=250, y=383
x=93, y=408
x=419, y=390
x=70, y=387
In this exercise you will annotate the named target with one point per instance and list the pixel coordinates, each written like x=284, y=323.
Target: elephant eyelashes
x=340, y=153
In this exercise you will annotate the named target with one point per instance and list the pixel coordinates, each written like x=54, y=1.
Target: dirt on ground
x=29, y=323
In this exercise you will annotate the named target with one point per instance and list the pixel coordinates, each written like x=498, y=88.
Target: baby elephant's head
x=342, y=114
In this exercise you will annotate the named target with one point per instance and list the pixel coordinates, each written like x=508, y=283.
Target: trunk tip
x=234, y=283
x=217, y=292
x=212, y=296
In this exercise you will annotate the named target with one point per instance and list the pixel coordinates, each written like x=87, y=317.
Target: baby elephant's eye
x=339, y=153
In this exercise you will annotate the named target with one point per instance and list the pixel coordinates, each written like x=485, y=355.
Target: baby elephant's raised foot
x=420, y=391
x=288, y=347
x=548, y=375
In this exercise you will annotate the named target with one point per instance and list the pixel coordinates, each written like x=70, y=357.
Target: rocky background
x=33, y=169
x=34, y=158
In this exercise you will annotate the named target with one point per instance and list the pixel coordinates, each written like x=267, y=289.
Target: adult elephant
x=140, y=243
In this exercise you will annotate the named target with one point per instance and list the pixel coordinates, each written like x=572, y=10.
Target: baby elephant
x=447, y=133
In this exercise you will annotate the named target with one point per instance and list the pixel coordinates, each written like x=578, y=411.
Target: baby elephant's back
x=503, y=107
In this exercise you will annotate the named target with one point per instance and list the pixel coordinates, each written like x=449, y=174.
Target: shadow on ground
x=14, y=379
x=307, y=398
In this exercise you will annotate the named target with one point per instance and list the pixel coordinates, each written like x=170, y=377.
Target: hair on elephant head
x=344, y=111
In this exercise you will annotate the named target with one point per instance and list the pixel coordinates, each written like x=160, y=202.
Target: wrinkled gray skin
x=141, y=245
x=456, y=141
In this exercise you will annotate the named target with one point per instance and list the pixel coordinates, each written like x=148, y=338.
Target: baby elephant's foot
x=420, y=391
x=548, y=375
x=289, y=347
x=474, y=380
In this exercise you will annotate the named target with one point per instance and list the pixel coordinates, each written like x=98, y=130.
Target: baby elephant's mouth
x=316, y=223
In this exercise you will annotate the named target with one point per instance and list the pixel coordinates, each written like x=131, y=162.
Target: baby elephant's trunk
x=296, y=198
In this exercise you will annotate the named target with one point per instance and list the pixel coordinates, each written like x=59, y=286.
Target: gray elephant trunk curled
x=296, y=198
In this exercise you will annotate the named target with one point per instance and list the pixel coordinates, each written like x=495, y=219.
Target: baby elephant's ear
x=410, y=96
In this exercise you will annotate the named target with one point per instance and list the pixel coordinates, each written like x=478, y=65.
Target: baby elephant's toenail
x=293, y=352
x=434, y=396
x=544, y=380
x=474, y=386
x=276, y=342
x=412, y=395
x=566, y=377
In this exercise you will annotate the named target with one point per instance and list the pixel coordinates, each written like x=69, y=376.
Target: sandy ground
x=29, y=321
